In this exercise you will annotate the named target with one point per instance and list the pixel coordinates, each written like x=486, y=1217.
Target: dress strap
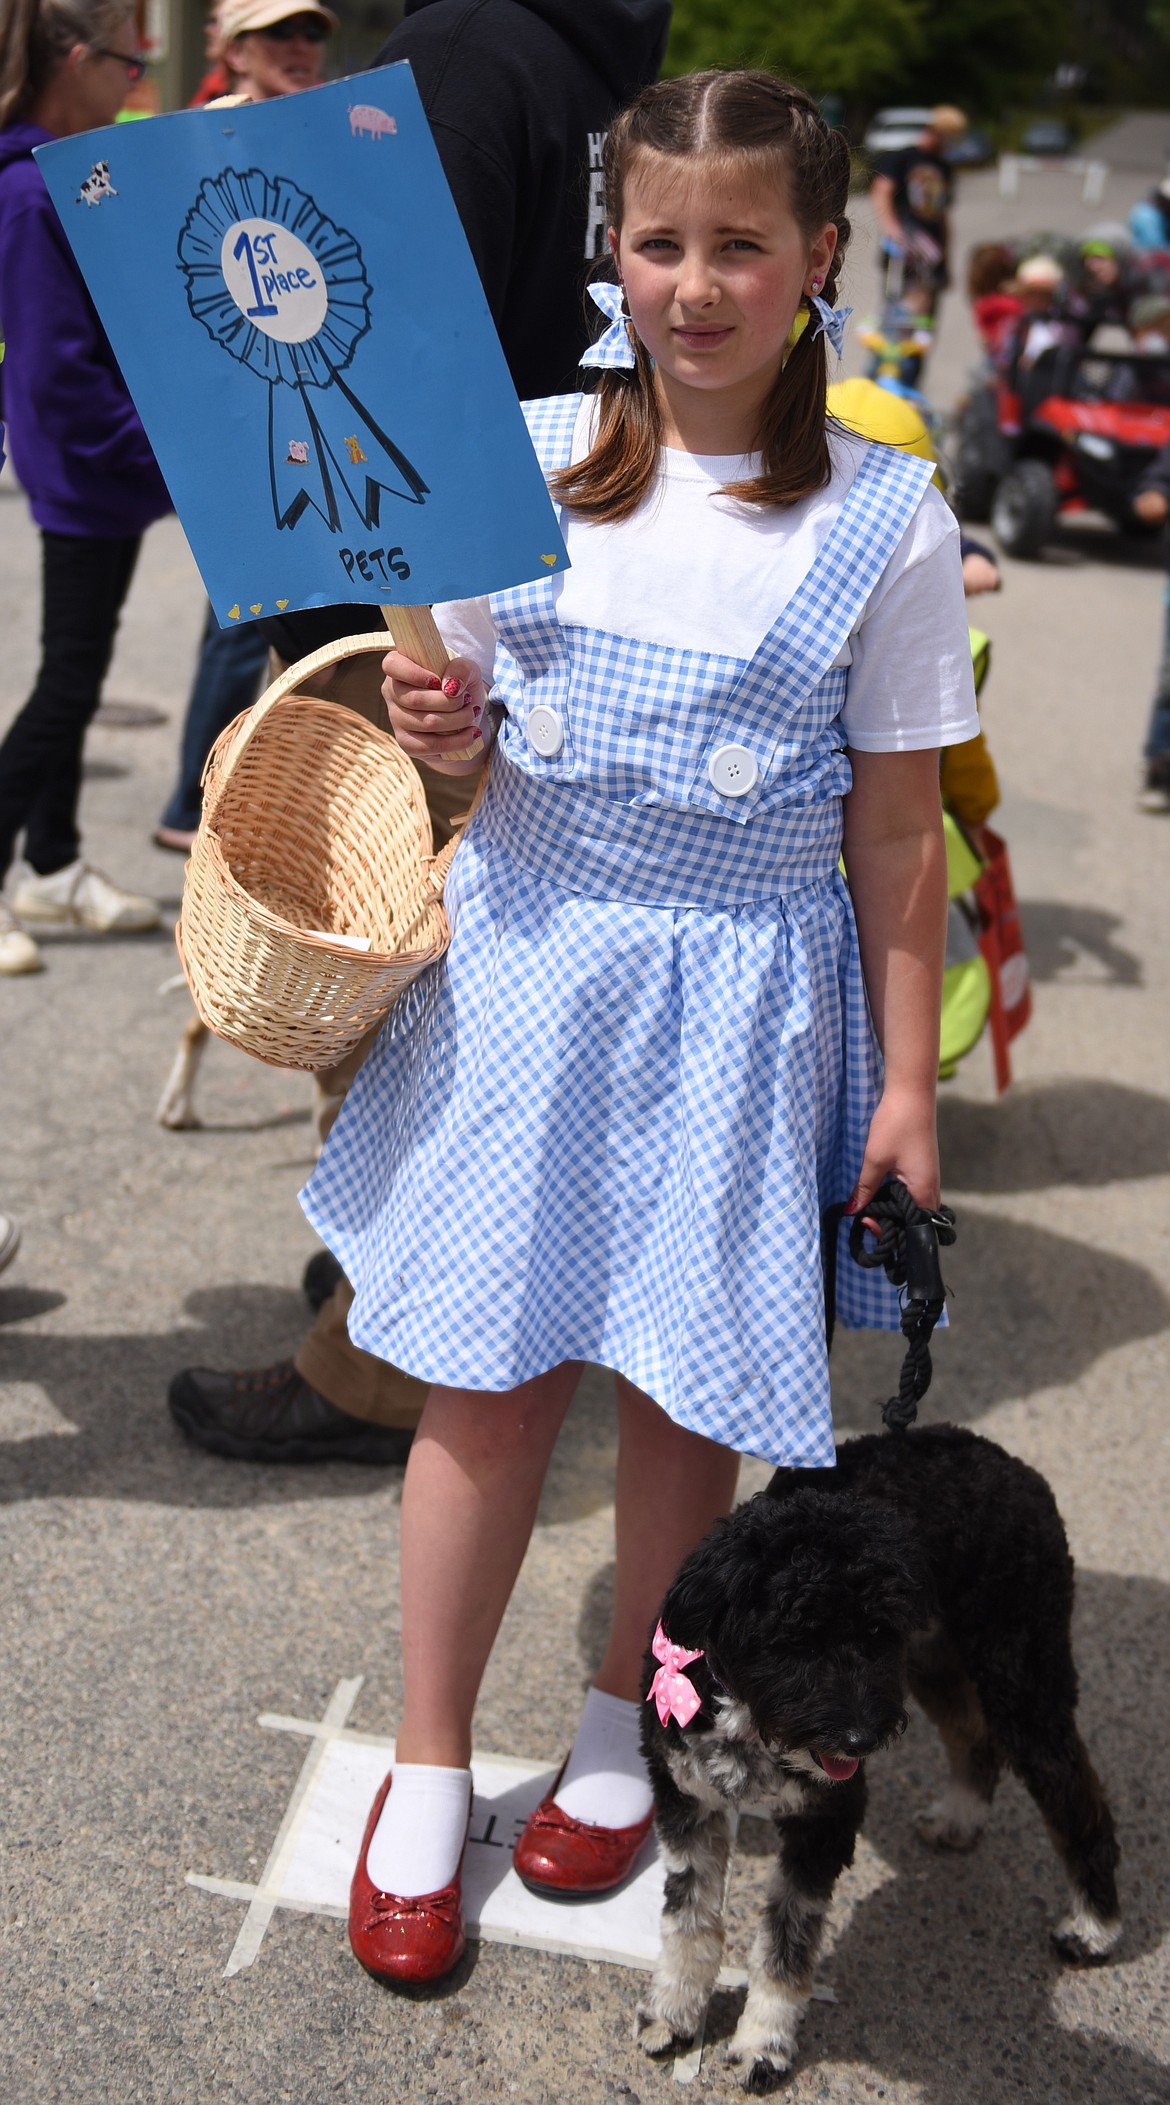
x=807, y=637
x=552, y=420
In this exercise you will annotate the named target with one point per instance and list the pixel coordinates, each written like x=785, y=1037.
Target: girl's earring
x=816, y=284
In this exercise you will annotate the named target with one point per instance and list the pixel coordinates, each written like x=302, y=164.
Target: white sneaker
x=78, y=897
x=9, y=1240
x=18, y=952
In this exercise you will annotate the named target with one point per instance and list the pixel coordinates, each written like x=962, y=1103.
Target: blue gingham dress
x=606, y=1127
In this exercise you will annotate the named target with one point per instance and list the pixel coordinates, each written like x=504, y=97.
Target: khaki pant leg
x=353, y=1380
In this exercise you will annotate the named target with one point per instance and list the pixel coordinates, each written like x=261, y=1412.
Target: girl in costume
x=650, y=1061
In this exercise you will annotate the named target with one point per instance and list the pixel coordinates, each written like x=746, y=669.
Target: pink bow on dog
x=670, y=1690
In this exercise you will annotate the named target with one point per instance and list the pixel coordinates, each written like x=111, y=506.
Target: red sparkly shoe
x=569, y=1859
x=403, y=1939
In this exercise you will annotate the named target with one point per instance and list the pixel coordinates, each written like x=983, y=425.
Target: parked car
x=892, y=129
x=972, y=148
x=1047, y=138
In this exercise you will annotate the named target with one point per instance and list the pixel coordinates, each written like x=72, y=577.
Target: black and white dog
x=928, y=1561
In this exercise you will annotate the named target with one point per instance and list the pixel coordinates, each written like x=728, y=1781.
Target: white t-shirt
x=700, y=571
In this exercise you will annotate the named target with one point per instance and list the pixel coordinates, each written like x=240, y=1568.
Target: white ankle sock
x=605, y=1780
x=419, y=1838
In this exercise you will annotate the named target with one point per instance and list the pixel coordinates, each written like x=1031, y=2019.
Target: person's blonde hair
x=36, y=37
x=731, y=121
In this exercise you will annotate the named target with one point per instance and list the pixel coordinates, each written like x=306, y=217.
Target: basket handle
x=294, y=677
x=411, y=630
x=436, y=867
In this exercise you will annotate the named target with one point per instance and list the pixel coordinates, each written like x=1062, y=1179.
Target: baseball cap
x=238, y=18
x=1039, y=270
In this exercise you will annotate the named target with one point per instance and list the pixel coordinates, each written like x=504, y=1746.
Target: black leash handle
x=906, y=1246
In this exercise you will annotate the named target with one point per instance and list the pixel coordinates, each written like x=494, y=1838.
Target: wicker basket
x=315, y=828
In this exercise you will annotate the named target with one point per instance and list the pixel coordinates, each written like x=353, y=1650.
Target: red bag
x=1001, y=941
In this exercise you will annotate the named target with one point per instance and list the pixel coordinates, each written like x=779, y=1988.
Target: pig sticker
x=97, y=184
x=367, y=121
x=298, y=453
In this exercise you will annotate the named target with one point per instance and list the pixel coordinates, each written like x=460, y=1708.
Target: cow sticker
x=97, y=185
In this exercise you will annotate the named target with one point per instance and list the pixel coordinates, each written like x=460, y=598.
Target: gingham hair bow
x=831, y=320
x=670, y=1690
x=613, y=348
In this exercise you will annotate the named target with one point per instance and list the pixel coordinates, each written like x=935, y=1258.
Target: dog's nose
x=859, y=1742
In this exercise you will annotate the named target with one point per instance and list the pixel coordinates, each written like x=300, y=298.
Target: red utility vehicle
x=1078, y=436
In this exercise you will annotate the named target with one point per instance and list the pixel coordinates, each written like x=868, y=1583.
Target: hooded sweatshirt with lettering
x=519, y=94
x=74, y=437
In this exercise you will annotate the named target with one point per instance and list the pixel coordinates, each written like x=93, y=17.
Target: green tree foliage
x=987, y=55
x=853, y=48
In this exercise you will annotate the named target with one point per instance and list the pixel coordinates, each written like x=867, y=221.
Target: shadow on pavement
x=119, y=1441
x=944, y=1974
x=1074, y=1132
x=1030, y=1310
x=1060, y=936
x=1097, y=541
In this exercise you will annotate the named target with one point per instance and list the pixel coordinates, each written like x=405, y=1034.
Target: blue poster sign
x=293, y=304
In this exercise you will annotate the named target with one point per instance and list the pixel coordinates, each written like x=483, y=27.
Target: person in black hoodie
x=519, y=94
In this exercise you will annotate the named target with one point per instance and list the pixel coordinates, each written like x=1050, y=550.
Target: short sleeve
x=910, y=683
x=467, y=629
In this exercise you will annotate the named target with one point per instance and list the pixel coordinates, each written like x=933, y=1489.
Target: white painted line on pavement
x=260, y=1911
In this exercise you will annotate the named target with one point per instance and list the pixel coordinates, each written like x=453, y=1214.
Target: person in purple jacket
x=77, y=445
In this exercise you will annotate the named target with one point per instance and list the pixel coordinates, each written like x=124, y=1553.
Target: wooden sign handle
x=413, y=632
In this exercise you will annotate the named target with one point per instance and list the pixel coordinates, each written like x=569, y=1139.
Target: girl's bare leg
x=468, y=1505
x=671, y=1485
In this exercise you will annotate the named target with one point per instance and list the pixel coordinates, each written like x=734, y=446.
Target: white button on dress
x=731, y=770
x=545, y=732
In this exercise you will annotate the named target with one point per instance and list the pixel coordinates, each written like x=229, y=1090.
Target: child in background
x=666, y=1036
x=995, y=304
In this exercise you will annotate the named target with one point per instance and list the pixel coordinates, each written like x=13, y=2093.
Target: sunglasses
x=313, y=28
x=135, y=67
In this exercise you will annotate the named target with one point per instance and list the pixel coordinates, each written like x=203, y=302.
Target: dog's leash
x=906, y=1246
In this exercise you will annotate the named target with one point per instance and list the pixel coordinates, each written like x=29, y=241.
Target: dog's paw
x=760, y=2069
x=955, y=1821
x=1083, y=1939
x=656, y=2035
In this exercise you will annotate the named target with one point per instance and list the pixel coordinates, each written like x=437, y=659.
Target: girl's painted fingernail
x=451, y=688
x=434, y=682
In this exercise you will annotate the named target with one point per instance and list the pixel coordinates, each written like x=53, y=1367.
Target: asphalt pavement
x=155, y=1601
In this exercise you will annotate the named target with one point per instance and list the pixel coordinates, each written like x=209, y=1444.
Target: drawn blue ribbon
x=325, y=448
